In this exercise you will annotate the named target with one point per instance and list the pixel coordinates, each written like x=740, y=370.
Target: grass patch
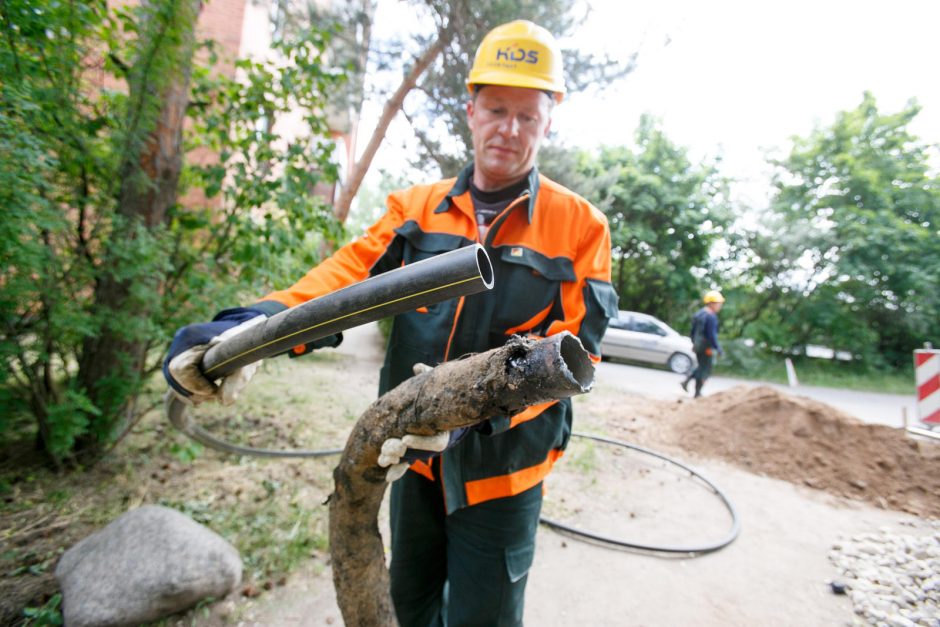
x=272, y=511
x=274, y=535
x=582, y=456
x=48, y=614
x=747, y=362
x=821, y=373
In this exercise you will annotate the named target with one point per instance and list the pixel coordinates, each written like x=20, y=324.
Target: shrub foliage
x=108, y=118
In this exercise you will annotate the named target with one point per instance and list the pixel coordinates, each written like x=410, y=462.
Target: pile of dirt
x=806, y=442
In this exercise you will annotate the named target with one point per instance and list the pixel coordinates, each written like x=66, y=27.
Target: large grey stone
x=148, y=563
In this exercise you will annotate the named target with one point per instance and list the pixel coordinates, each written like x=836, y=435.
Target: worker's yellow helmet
x=714, y=296
x=519, y=54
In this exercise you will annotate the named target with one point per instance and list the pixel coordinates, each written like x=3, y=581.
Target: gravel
x=892, y=578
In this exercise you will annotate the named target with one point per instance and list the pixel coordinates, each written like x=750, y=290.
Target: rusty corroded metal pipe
x=461, y=393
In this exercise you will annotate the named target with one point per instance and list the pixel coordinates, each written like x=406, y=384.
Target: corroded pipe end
x=577, y=361
x=554, y=367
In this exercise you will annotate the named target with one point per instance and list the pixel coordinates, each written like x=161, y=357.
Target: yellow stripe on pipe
x=390, y=302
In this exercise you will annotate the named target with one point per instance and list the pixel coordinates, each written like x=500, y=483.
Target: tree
x=100, y=260
x=107, y=176
x=147, y=161
x=389, y=111
x=852, y=238
x=665, y=216
x=439, y=68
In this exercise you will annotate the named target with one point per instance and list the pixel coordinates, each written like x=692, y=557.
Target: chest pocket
x=528, y=285
x=417, y=244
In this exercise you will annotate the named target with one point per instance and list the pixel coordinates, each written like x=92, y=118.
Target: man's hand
x=181, y=367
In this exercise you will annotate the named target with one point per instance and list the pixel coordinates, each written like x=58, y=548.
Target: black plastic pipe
x=692, y=549
x=449, y=275
x=457, y=273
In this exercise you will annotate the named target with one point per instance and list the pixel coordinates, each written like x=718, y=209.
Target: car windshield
x=648, y=326
x=619, y=323
x=641, y=323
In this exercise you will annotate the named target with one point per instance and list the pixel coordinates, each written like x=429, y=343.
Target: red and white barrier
x=927, y=375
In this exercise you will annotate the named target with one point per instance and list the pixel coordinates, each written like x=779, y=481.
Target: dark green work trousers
x=468, y=568
x=703, y=370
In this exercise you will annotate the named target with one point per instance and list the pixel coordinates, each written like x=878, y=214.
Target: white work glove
x=393, y=449
x=184, y=368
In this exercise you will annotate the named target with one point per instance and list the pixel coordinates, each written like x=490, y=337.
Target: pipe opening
x=577, y=361
x=485, y=267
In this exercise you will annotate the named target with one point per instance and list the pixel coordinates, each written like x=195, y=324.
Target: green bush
x=101, y=263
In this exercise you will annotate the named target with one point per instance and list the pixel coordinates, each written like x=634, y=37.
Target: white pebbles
x=892, y=578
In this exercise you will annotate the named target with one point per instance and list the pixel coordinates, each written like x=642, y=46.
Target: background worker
x=705, y=340
x=467, y=517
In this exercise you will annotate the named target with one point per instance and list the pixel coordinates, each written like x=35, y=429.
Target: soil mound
x=806, y=442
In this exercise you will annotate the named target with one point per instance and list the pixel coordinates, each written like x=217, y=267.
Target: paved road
x=886, y=409
x=365, y=342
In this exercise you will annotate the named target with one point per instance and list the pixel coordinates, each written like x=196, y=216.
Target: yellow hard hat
x=519, y=54
x=714, y=296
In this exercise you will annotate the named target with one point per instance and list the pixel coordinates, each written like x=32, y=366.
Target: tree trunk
x=114, y=359
x=455, y=394
x=392, y=106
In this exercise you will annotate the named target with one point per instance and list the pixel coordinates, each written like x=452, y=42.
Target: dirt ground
x=809, y=443
x=800, y=476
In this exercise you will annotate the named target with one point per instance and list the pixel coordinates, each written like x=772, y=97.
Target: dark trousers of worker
x=702, y=371
x=468, y=568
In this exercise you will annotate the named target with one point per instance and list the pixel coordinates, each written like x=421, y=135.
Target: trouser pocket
x=518, y=561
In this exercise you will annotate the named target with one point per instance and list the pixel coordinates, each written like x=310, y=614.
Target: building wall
x=243, y=29
x=223, y=21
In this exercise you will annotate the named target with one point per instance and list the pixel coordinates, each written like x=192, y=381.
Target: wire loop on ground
x=179, y=416
x=694, y=549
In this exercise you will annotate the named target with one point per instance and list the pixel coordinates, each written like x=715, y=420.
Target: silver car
x=641, y=337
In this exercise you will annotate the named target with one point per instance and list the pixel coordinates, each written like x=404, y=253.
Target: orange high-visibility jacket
x=550, y=251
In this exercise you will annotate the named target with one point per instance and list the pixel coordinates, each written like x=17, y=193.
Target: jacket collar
x=462, y=186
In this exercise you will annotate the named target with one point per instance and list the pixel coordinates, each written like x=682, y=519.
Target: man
x=705, y=340
x=464, y=521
